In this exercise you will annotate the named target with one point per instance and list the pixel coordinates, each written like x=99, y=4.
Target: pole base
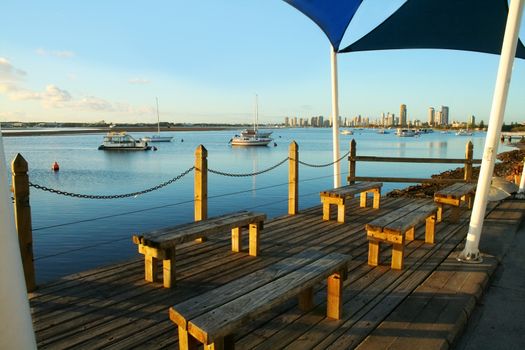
x=470, y=257
x=519, y=195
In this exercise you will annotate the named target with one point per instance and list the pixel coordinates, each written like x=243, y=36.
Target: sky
x=205, y=60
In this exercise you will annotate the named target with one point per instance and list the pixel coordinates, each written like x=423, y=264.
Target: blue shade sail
x=332, y=16
x=469, y=25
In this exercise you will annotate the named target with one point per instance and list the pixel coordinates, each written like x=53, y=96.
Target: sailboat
x=157, y=138
x=252, y=137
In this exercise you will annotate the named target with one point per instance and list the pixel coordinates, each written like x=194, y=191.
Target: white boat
x=347, y=132
x=405, y=132
x=157, y=138
x=382, y=131
x=121, y=141
x=252, y=137
x=463, y=132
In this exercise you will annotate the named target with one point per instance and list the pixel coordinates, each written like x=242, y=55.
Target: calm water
x=72, y=234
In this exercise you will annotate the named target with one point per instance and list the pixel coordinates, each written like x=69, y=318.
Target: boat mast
x=256, y=122
x=158, y=118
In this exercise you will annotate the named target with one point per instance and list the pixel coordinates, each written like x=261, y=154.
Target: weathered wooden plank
x=416, y=160
x=349, y=190
x=192, y=308
x=411, y=219
x=385, y=220
x=457, y=190
x=226, y=318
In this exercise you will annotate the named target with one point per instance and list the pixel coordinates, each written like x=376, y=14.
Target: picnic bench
x=339, y=195
x=396, y=227
x=213, y=317
x=160, y=244
x=454, y=195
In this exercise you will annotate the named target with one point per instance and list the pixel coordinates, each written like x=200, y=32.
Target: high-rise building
x=444, y=115
x=471, y=121
x=286, y=121
x=431, y=116
x=439, y=118
x=403, y=115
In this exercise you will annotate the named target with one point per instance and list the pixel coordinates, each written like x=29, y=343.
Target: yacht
x=252, y=137
x=463, y=132
x=405, y=132
x=347, y=132
x=121, y=141
x=158, y=137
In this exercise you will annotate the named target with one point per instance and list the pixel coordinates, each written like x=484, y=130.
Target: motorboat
x=158, y=137
x=121, y=141
x=405, y=132
x=463, y=132
x=252, y=137
x=250, y=141
x=382, y=131
x=347, y=132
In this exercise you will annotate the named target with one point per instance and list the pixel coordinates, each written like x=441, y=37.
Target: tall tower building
x=444, y=115
x=431, y=116
x=471, y=121
x=403, y=115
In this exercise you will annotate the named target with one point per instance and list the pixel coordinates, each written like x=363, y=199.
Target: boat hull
x=110, y=148
x=158, y=139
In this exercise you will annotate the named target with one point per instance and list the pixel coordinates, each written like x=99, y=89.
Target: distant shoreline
x=72, y=131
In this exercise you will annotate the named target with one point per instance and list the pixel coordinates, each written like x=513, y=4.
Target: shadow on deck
x=425, y=305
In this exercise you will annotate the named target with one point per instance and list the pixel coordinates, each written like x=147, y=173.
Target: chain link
x=248, y=174
x=115, y=196
x=324, y=165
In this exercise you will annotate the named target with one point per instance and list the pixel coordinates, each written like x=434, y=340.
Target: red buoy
x=55, y=167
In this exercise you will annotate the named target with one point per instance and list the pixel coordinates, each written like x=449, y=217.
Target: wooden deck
x=113, y=307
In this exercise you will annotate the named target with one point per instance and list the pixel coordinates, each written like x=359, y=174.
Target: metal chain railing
x=324, y=165
x=248, y=174
x=114, y=196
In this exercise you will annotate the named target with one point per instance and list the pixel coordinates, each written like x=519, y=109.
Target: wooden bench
x=213, y=317
x=453, y=195
x=160, y=244
x=396, y=227
x=339, y=195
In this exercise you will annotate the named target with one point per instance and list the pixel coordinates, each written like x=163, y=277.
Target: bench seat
x=161, y=244
x=454, y=195
x=212, y=318
x=338, y=196
x=396, y=227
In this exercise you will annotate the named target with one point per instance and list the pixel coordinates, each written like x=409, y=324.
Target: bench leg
x=455, y=214
x=334, y=303
x=430, y=229
x=341, y=208
x=254, y=239
x=168, y=269
x=362, y=202
x=306, y=299
x=397, y=256
x=377, y=198
x=439, y=216
x=151, y=268
x=186, y=341
x=326, y=211
x=225, y=343
x=410, y=233
x=373, y=252
x=236, y=239
x=469, y=200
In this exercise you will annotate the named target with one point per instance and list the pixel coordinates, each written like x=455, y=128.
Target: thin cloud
x=8, y=72
x=138, y=81
x=56, y=53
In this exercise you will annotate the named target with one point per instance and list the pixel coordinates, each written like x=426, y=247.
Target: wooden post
x=351, y=163
x=201, y=183
x=468, y=161
x=334, y=303
x=22, y=212
x=293, y=179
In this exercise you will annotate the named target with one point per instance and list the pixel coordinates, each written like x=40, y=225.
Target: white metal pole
x=335, y=118
x=522, y=181
x=471, y=251
x=16, y=328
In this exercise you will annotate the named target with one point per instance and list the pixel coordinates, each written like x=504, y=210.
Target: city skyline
x=73, y=62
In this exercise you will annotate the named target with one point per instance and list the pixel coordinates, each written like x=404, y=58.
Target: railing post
x=22, y=212
x=468, y=161
x=293, y=179
x=201, y=183
x=351, y=163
